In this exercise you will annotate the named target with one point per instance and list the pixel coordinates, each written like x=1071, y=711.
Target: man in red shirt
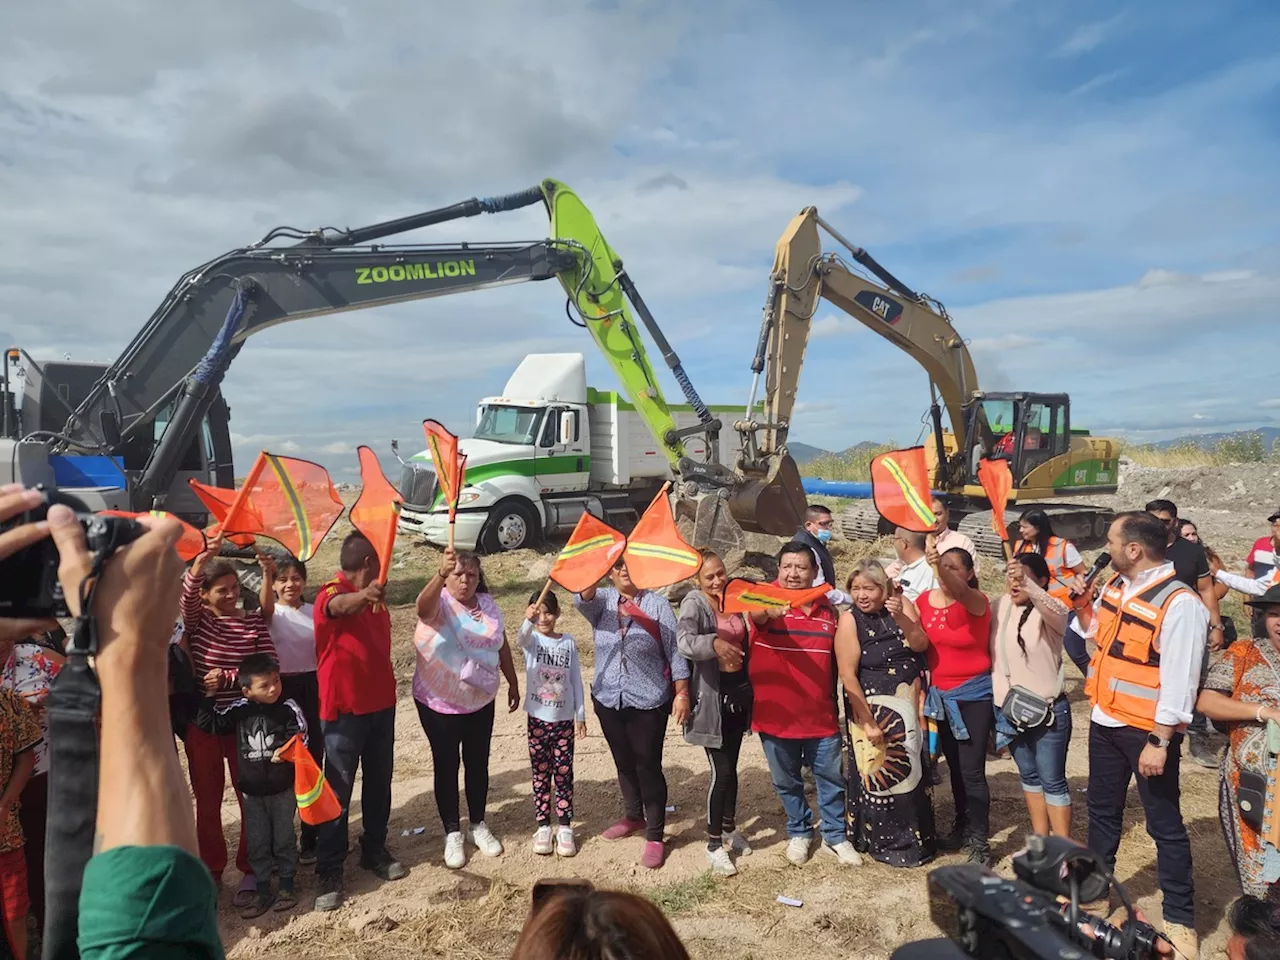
x=792, y=665
x=1262, y=559
x=358, y=713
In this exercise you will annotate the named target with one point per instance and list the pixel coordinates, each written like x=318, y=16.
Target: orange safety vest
x=1124, y=673
x=1056, y=558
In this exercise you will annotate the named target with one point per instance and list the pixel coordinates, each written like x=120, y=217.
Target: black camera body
x=29, y=587
x=987, y=916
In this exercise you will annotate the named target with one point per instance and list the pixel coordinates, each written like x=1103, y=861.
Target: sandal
x=285, y=900
x=247, y=890
x=259, y=905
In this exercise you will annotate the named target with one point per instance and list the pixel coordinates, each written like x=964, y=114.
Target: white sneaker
x=455, y=852
x=798, y=850
x=484, y=839
x=844, y=852
x=736, y=843
x=720, y=862
x=566, y=846
x=542, y=845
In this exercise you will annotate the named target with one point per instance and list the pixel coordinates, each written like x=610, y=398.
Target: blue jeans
x=1041, y=756
x=823, y=756
x=1074, y=644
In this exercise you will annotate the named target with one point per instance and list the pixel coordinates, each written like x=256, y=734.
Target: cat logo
x=885, y=308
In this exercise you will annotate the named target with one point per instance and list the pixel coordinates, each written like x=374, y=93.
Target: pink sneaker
x=655, y=852
x=623, y=828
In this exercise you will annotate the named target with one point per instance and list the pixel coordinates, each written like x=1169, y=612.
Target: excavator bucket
x=772, y=502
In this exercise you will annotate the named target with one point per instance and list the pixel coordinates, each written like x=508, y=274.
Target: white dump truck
x=543, y=452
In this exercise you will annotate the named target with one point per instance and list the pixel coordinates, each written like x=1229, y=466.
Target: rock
x=371, y=921
x=253, y=933
x=1236, y=489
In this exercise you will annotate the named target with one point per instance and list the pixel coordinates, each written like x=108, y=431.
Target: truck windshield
x=504, y=424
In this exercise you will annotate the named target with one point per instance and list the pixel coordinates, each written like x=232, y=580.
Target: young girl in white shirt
x=557, y=715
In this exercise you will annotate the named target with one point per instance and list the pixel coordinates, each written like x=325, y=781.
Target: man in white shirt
x=1143, y=679
x=948, y=539
x=913, y=573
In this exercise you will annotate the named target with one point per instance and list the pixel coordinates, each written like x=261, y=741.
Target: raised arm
x=907, y=617
x=267, y=593
x=429, y=598
x=957, y=587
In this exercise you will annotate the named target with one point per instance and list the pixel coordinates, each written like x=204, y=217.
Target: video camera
x=29, y=587
x=989, y=917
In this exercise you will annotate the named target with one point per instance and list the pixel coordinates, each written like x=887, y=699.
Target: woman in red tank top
x=956, y=618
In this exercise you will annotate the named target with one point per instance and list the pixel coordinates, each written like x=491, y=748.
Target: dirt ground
x=847, y=913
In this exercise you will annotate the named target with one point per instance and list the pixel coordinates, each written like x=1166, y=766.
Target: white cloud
x=1087, y=37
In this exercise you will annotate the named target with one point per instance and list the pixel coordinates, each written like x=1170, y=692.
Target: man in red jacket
x=792, y=665
x=358, y=713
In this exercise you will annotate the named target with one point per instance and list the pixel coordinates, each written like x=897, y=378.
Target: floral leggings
x=551, y=756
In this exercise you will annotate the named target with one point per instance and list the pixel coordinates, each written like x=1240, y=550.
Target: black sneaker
x=978, y=851
x=956, y=839
x=328, y=893
x=382, y=864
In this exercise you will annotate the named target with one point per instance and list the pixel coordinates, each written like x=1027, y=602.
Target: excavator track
x=862, y=522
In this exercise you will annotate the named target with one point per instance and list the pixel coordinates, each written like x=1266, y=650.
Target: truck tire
x=512, y=525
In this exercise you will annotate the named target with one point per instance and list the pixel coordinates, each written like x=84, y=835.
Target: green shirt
x=140, y=902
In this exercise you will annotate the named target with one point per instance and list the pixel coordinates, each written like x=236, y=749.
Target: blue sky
x=1090, y=188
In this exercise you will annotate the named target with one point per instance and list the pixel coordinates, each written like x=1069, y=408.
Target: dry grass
x=1241, y=448
x=850, y=465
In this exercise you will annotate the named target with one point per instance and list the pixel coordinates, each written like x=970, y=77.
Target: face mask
x=824, y=536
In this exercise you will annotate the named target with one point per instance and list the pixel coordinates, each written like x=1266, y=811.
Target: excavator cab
x=1027, y=429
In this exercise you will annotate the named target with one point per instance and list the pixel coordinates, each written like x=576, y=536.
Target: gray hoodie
x=695, y=638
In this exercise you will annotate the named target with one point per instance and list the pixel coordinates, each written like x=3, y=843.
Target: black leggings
x=722, y=793
x=455, y=736
x=967, y=760
x=635, y=739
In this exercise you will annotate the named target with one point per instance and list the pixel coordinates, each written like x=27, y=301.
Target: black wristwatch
x=1158, y=741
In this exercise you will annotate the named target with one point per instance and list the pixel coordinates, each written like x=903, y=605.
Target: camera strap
x=74, y=698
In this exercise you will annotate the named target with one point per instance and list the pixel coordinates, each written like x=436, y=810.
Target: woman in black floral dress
x=890, y=810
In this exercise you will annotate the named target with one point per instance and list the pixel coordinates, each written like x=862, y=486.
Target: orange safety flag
x=290, y=501
x=657, y=556
x=996, y=482
x=376, y=513
x=591, y=551
x=900, y=489
x=317, y=803
x=218, y=501
x=451, y=466
x=189, y=546
x=744, y=596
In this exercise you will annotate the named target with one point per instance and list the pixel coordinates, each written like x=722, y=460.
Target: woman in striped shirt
x=220, y=635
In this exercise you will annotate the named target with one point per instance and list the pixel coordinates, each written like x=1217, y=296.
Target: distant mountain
x=803, y=453
x=1207, y=441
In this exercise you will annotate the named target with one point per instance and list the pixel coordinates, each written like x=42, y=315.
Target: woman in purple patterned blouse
x=640, y=680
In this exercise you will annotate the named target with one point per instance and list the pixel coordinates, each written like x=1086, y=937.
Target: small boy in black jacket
x=263, y=724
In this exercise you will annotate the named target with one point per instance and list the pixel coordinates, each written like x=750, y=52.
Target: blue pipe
x=850, y=489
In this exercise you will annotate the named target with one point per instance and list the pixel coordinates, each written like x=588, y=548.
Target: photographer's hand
x=142, y=798
x=14, y=501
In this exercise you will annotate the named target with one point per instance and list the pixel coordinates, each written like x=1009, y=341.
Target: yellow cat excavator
x=1049, y=458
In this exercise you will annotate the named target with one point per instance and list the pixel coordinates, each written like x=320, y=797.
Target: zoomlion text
x=416, y=271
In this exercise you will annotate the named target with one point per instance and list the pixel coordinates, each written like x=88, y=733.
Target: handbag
x=479, y=676
x=1025, y=709
x=1251, y=798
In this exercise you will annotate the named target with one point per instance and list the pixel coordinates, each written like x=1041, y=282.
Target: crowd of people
x=869, y=690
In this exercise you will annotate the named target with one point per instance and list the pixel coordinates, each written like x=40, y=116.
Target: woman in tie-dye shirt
x=462, y=648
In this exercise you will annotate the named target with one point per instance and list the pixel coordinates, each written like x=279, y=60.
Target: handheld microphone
x=1103, y=561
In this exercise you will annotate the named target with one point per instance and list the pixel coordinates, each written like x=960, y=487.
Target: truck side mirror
x=110, y=428
x=395, y=448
